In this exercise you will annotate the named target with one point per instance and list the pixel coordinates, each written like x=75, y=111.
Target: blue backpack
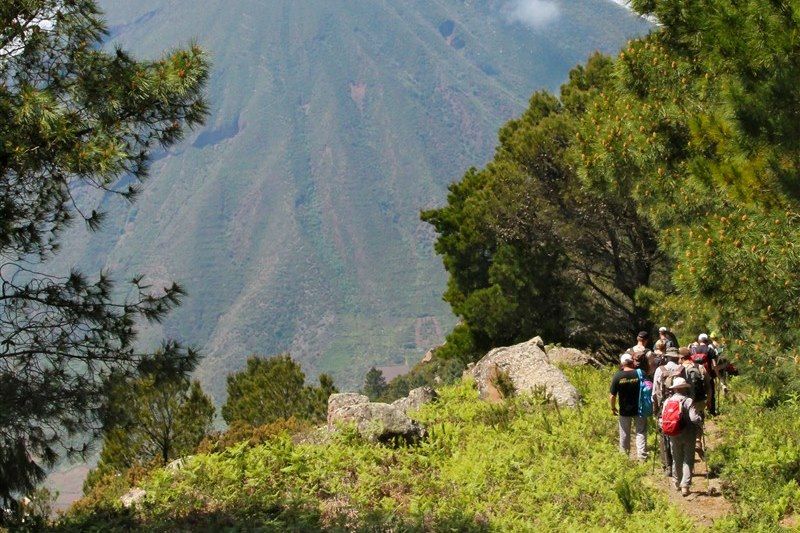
x=645, y=395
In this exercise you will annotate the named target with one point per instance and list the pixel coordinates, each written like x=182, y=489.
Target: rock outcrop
x=415, y=399
x=528, y=368
x=380, y=421
x=559, y=355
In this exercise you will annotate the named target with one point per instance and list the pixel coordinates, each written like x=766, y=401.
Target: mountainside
x=292, y=217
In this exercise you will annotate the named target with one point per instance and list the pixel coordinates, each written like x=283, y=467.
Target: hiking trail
x=705, y=504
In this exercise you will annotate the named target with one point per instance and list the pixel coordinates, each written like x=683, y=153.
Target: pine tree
x=374, y=384
x=274, y=388
x=73, y=114
x=151, y=421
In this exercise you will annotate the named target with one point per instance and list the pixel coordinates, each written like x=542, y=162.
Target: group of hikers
x=677, y=386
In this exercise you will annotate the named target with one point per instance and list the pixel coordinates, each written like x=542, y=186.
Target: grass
x=759, y=459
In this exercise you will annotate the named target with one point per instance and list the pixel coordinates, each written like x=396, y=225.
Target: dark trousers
x=712, y=398
x=665, y=452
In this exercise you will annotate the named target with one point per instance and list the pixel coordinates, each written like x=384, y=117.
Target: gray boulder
x=528, y=368
x=559, y=355
x=415, y=399
x=379, y=421
x=342, y=400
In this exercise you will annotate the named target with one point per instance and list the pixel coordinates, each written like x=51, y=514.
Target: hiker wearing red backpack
x=704, y=354
x=664, y=377
x=680, y=422
x=625, y=387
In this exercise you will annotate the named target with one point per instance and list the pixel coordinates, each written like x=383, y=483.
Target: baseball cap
x=642, y=335
x=625, y=358
x=662, y=329
x=702, y=337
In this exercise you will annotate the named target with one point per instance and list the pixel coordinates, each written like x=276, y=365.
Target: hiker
x=680, y=421
x=625, y=387
x=697, y=377
x=664, y=376
x=658, y=356
x=704, y=354
x=642, y=355
x=668, y=337
x=699, y=384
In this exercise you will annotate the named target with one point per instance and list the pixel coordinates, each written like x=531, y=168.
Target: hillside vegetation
x=521, y=465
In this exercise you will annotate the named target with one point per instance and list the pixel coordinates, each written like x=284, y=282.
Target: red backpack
x=700, y=356
x=672, y=419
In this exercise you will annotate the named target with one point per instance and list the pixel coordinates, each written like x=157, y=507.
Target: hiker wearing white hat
x=662, y=382
x=680, y=422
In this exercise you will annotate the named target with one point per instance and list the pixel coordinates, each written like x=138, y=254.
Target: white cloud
x=533, y=13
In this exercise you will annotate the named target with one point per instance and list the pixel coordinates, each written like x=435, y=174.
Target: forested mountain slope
x=292, y=218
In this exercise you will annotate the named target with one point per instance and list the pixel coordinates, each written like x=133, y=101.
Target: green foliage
x=668, y=179
x=274, y=388
x=75, y=119
x=671, y=131
x=759, y=459
x=152, y=421
x=374, y=384
x=517, y=466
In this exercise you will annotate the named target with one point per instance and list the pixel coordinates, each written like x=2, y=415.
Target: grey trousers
x=625, y=423
x=683, y=456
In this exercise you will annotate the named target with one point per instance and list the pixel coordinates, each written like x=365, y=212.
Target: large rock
x=415, y=399
x=379, y=421
x=528, y=368
x=559, y=355
x=342, y=400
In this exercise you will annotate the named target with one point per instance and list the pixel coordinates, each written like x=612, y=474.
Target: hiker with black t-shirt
x=680, y=421
x=625, y=390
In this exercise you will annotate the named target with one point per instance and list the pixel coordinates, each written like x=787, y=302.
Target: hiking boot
x=677, y=485
x=684, y=491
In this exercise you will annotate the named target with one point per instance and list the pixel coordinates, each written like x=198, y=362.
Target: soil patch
x=705, y=504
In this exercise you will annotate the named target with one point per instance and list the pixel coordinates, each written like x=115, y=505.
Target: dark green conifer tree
x=374, y=384
x=274, y=388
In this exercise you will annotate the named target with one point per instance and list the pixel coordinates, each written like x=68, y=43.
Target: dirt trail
x=705, y=504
